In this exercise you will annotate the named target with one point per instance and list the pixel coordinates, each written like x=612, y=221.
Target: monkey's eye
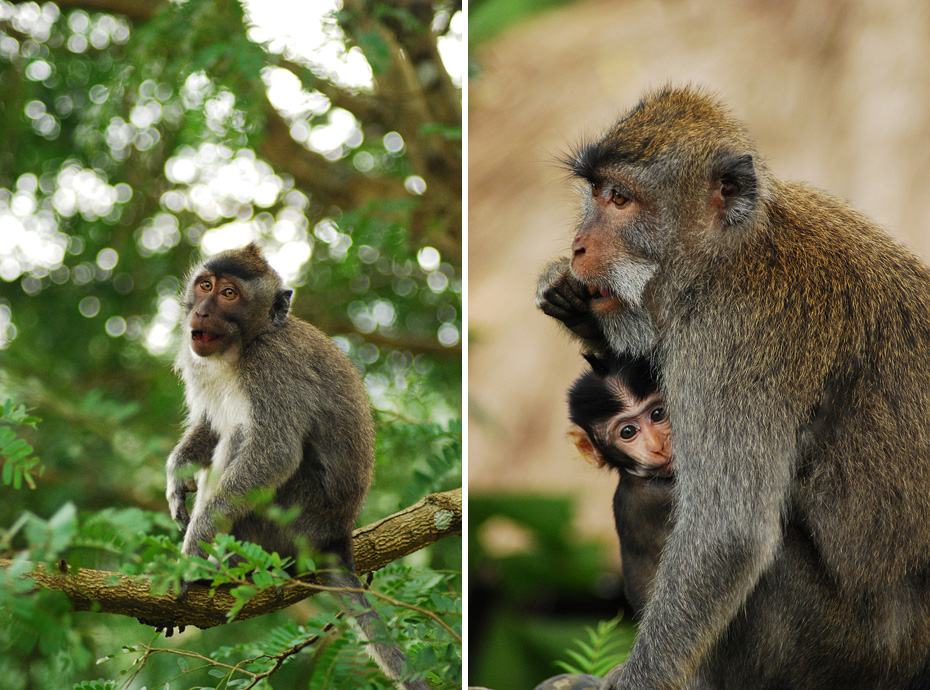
x=628, y=431
x=595, y=190
x=617, y=199
x=228, y=293
x=206, y=285
x=658, y=414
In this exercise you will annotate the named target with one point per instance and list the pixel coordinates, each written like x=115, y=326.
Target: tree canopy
x=136, y=137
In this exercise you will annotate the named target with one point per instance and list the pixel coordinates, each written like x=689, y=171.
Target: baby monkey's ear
x=583, y=443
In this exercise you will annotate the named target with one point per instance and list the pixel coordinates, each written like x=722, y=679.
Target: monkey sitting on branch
x=273, y=406
x=792, y=337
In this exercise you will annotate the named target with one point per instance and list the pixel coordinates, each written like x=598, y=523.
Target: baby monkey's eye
x=628, y=431
x=658, y=414
x=206, y=285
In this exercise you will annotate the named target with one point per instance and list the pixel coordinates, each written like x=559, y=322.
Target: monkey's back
x=851, y=310
x=318, y=391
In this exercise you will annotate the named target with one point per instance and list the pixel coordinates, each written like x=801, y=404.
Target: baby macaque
x=619, y=420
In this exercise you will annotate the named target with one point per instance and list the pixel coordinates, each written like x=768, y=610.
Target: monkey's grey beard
x=630, y=331
x=628, y=279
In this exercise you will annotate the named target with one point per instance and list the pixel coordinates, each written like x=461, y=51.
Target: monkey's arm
x=732, y=486
x=194, y=450
x=264, y=459
x=563, y=297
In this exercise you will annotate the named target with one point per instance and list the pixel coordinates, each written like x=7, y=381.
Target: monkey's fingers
x=582, y=324
x=177, y=508
x=568, y=294
x=169, y=629
x=564, y=297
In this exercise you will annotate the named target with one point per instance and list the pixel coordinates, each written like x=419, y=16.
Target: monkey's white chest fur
x=212, y=391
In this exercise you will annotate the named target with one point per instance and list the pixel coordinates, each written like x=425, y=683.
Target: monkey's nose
x=655, y=442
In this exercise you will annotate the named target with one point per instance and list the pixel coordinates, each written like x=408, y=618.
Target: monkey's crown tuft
x=247, y=263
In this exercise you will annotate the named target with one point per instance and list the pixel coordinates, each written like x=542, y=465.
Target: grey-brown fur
x=278, y=407
x=794, y=344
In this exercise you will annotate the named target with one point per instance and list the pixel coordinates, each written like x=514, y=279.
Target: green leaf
x=6, y=435
x=17, y=450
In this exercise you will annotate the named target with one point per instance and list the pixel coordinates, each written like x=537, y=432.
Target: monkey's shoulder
x=304, y=358
x=298, y=338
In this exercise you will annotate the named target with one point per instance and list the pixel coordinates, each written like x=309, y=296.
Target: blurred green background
x=135, y=136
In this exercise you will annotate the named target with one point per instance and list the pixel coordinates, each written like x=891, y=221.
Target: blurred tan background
x=835, y=93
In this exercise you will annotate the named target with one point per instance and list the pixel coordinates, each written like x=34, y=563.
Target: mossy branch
x=432, y=518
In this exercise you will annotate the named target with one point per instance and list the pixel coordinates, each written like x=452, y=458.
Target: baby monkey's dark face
x=643, y=433
x=620, y=420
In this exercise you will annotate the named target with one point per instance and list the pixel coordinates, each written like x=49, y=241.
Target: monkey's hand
x=565, y=298
x=177, y=500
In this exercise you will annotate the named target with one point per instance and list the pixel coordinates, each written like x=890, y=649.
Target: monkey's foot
x=571, y=681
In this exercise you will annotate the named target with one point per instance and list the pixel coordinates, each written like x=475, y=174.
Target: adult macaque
x=274, y=406
x=619, y=421
x=793, y=340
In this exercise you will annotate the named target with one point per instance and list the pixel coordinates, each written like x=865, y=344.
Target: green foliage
x=544, y=586
x=488, y=18
x=99, y=684
x=433, y=451
x=16, y=453
x=605, y=647
x=551, y=558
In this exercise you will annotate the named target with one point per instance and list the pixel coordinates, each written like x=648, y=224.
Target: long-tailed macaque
x=273, y=406
x=793, y=339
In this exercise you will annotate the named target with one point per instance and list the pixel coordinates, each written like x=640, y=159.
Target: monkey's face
x=635, y=436
x=218, y=304
x=609, y=253
x=674, y=177
x=643, y=433
x=232, y=298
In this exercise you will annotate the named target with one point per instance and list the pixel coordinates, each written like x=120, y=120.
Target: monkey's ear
x=735, y=188
x=280, y=306
x=583, y=443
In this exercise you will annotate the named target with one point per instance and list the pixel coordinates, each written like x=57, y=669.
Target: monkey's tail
x=379, y=646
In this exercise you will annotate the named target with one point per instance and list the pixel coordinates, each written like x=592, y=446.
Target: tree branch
x=137, y=10
x=432, y=518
